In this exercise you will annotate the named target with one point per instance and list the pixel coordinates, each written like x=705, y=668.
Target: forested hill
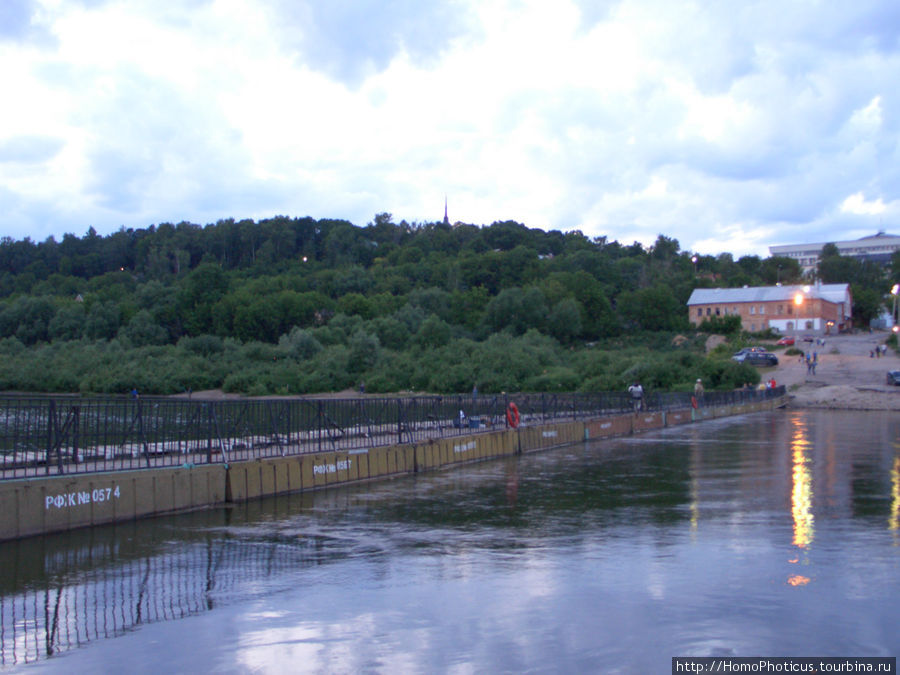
x=294, y=305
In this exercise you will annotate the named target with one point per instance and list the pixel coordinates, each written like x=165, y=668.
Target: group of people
x=811, y=362
x=636, y=391
x=879, y=351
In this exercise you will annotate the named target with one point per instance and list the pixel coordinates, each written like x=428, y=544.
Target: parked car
x=747, y=350
x=786, y=341
x=756, y=358
x=893, y=377
x=808, y=338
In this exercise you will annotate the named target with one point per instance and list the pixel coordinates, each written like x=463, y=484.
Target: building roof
x=879, y=239
x=836, y=293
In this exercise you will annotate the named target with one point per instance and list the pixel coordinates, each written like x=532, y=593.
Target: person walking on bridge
x=637, y=396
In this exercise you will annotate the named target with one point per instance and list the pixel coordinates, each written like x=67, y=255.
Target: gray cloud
x=755, y=120
x=351, y=39
x=29, y=149
x=15, y=18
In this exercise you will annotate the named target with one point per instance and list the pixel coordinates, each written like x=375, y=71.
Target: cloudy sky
x=727, y=125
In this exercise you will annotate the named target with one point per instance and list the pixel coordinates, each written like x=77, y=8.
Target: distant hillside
x=288, y=305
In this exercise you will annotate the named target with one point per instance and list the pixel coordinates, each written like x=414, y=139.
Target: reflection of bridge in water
x=66, y=597
x=94, y=591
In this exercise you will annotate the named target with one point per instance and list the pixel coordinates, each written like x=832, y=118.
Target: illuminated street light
x=895, y=291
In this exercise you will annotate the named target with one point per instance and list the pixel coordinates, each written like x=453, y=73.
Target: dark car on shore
x=747, y=350
x=756, y=358
x=893, y=377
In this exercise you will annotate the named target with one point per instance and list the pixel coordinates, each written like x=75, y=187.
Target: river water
x=762, y=535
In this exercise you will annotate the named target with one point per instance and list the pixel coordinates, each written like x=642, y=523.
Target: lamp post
x=798, y=302
x=694, y=260
x=895, y=291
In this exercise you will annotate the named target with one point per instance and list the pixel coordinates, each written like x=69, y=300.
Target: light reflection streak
x=894, y=519
x=801, y=489
x=695, y=491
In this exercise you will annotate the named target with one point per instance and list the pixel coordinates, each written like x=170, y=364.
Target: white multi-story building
x=877, y=248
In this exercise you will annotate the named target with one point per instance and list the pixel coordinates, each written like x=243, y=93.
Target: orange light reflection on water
x=801, y=488
x=894, y=519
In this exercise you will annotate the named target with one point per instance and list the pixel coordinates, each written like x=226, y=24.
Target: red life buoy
x=512, y=415
x=694, y=401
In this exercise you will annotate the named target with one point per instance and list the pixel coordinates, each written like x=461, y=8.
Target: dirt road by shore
x=847, y=376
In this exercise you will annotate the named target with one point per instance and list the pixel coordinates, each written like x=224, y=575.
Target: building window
x=753, y=310
x=717, y=311
x=790, y=309
x=779, y=310
x=699, y=311
x=762, y=309
x=708, y=311
x=752, y=326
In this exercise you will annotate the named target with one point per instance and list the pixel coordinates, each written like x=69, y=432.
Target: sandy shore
x=847, y=377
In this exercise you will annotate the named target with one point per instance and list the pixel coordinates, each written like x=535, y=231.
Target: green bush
x=555, y=378
x=721, y=325
x=202, y=345
x=300, y=344
x=721, y=374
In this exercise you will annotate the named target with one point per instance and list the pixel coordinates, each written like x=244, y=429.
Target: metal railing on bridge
x=52, y=435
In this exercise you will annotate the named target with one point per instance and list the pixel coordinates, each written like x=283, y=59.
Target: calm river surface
x=762, y=535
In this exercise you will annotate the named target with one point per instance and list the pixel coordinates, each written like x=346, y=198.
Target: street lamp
x=798, y=301
x=694, y=260
x=895, y=291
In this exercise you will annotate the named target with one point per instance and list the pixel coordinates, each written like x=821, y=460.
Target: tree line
x=298, y=305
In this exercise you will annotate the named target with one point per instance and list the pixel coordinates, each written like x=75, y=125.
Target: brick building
x=822, y=309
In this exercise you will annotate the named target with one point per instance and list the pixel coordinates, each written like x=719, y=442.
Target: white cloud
x=857, y=205
x=728, y=127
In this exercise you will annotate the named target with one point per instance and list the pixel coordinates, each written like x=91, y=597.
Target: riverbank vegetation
x=297, y=305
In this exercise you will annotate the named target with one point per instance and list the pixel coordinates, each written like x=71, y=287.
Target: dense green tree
x=364, y=351
x=564, y=321
x=391, y=332
x=434, y=332
x=67, y=323
x=895, y=267
x=102, y=321
x=143, y=330
x=199, y=292
x=300, y=344
x=516, y=310
x=654, y=309
x=27, y=318
x=867, y=304
x=778, y=269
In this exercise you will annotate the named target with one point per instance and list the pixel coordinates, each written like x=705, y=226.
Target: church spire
x=446, y=219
